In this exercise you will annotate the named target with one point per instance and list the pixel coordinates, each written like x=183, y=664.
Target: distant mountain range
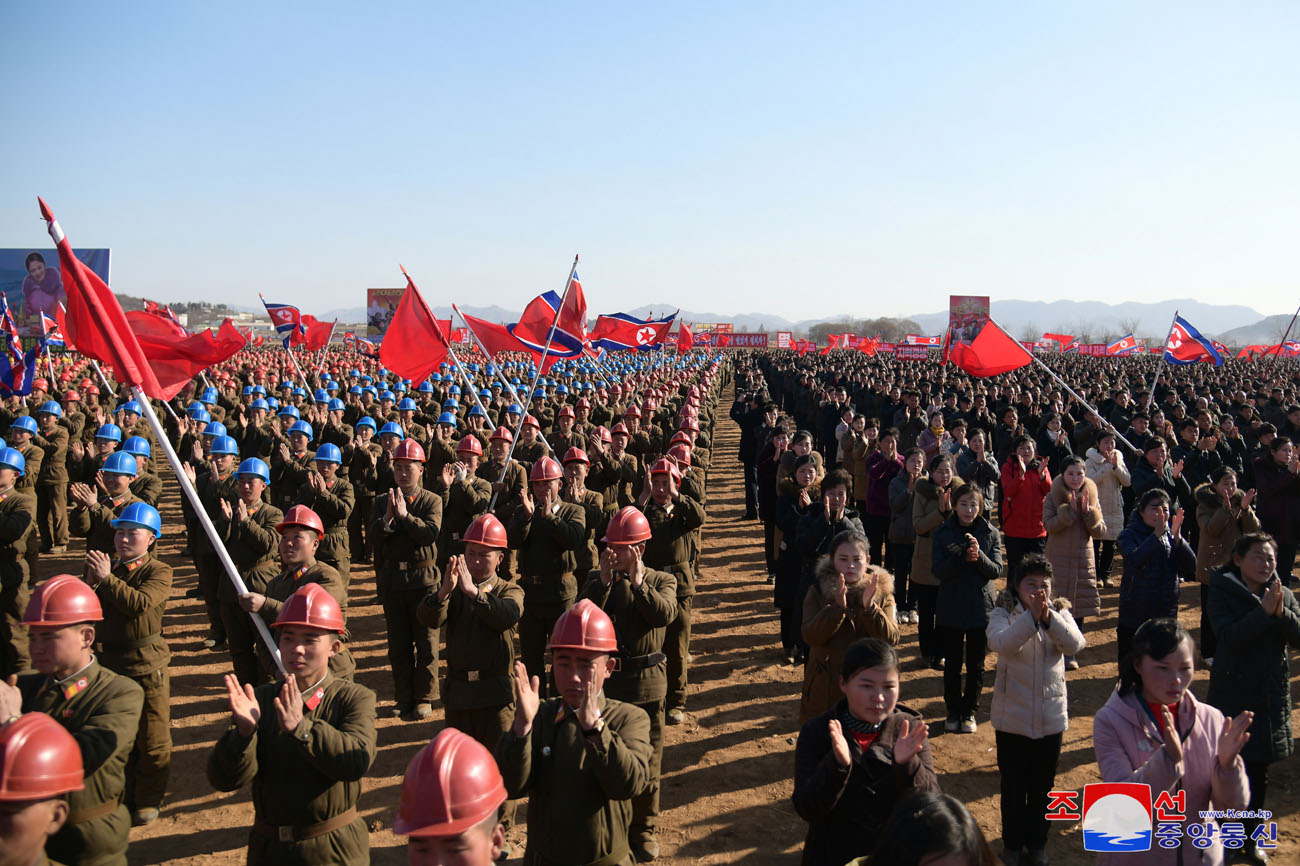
x=1231, y=323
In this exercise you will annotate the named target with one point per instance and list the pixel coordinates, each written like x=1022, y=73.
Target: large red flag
x=177, y=356
x=317, y=336
x=415, y=342
x=992, y=352
x=495, y=338
x=684, y=339
x=94, y=319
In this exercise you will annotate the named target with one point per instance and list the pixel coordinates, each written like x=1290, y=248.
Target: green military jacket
x=547, y=544
x=480, y=650
x=672, y=544
x=148, y=488
x=334, y=507
x=54, y=467
x=641, y=617
x=34, y=455
x=134, y=597
x=462, y=502
x=94, y=523
x=406, y=551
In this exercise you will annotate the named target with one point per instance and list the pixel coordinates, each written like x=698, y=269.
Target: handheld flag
x=17, y=369
x=415, y=342
x=534, y=327
x=287, y=320
x=620, y=331
x=1123, y=346
x=52, y=335
x=1186, y=345
x=685, y=340
x=495, y=338
x=993, y=351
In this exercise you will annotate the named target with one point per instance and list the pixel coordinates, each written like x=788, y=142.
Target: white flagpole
x=1151, y=398
x=500, y=374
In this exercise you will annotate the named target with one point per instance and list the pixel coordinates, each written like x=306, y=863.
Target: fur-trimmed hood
x=828, y=579
x=1060, y=494
x=1207, y=497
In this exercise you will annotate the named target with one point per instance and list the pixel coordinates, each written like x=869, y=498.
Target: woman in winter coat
x=794, y=499
x=934, y=438
x=1277, y=480
x=967, y=560
x=1153, y=731
x=1224, y=514
x=854, y=762
x=1156, y=559
x=769, y=461
x=1032, y=633
x=1256, y=620
x=1025, y=483
x=1106, y=468
x=882, y=465
x=1072, y=518
x=902, y=534
x=851, y=600
x=1153, y=471
x=931, y=506
x=977, y=465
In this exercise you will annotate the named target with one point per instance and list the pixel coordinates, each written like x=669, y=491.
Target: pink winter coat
x=1130, y=749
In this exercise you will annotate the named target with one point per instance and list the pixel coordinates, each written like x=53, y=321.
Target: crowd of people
x=988, y=513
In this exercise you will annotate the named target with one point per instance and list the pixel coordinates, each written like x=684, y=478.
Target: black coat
x=1252, y=669
x=965, y=588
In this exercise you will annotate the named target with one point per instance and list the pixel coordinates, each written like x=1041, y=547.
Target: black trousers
x=877, y=527
x=1257, y=774
x=900, y=561
x=969, y=646
x=1104, y=553
x=927, y=598
x=1027, y=771
x=1019, y=548
x=1209, y=643
x=751, y=487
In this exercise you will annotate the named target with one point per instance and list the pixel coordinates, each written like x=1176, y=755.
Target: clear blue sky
x=798, y=159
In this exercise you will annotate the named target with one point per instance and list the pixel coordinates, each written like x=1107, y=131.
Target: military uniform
x=672, y=548
x=146, y=487
x=641, y=617
x=130, y=642
x=102, y=712
x=253, y=546
x=288, y=476
x=462, y=502
x=593, y=512
x=95, y=522
x=211, y=573
x=508, y=502
x=254, y=441
x=306, y=783
x=334, y=506
x=579, y=787
x=283, y=585
x=406, y=567
x=52, y=489
x=362, y=469
x=17, y=515
x=546, y=545
x=615, y=478
x=438, y=453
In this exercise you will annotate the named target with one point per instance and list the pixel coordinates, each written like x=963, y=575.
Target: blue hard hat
x=301, y=427
x=209, y=395
x=562, y=389
x=259, y=391
x=137, y=446
x=365, y=421
x=515, y=408
x=366, y=380
x=426, y=387
x=285, y=385
x=291, y=411
x=320, y=396
x=140, y=514
x=109, y=431
x=24, y=422
x=435, y=377
x=454, y=389
x=485, y=394
x=477, y=410
x=259, y=403
x=447, y=418
x=50, y=407
x=539, y=394
x=13, y=459
x=394, y=428
x=195, y=406
x=331, y=385
x=120, y=463
x=224, y=445
x=329, y=453
x=387, y=395
x=406, y=405
x=354, y=372
x=355, y=389
x=214, y=428
x=130, y=406
x=247, y=391
x=200, y=415
x=451, y=404
x=257, y=467
x=272, y=403
x=335, y=405
x=299, y=392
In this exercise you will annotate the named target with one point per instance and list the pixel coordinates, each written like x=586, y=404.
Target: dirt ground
x=727, y=770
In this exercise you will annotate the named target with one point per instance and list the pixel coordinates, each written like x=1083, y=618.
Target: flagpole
x=1082, y=401
x=241, y=589
x=550, y=336
x=102, y=378
x=464, y=375
x=294, y=359
x=1160, y=365
x=500, y=373
x=1281, y=344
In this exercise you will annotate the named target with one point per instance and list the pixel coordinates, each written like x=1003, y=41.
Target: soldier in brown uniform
x=361, y=460
x=52, y=481
x=574, y=489
x=214, y=487
x=451, y=804
x=464, y=496
x=98, y=707
x=133, y=588
x=580, y=757
x=564, y=436
x=92, y=516
x=332, y=498
x=508, y=485
x=41, y=765
x=17, y=516
x=441, y=450
x=300, y=534
x=20, y=436
x=673, y=518
x=291, y=462
x=147, y=486
x=532, y=447
x=247, y=528
x=641, y=603
x=546, y=531
x=305, y=744
x=405, y=527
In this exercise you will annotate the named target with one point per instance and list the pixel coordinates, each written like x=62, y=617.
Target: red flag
x=833, y=344
x=61, y=316
x=495, y=338
x=175, y=355
x=95, y=321
x=869, y=346
x=415, y=342
x=317, y=336
x=1063, y=339
x=684, y=339
x=992, y=352
x=724, y=340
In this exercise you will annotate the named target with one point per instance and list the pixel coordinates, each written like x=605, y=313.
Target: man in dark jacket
x=748, y=414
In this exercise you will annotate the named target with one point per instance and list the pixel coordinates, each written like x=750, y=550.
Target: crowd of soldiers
x=501, y=534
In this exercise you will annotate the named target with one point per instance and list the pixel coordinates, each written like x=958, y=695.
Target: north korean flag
x=1186, y=345
x=620, y=332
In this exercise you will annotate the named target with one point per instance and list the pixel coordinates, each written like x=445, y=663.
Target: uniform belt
x=93, y=812
x=410, y=566
x=290, y=833
x=639, y=663
x=474, y=676
x=125, y=645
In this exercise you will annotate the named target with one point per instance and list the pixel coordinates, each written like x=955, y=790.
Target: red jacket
x=1022, y=499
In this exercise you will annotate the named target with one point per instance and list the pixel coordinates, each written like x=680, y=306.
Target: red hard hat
x=529, y=419
x=617, y=429
x=584, y=627
x=632, y=412
x=469, y=445
x=301, y=515
x=664, y=466
x=311, y=606
x=63, y=600
x=689, y=423
x=627, y=526
x=450, y=786
x=39, y=760
x=85, y=382
x=584, y=403
x=566, y=411
x=681, y=453
x=546, y=469
x=71, y=397
x=92, y=389
x=502, y=434
x=409, y=449
x=680, y=437
x=43, y=384
x=603, y=432
x=487, y=531
x=576, y=455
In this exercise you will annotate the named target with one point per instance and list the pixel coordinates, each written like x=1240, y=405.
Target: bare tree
x=1030, y=332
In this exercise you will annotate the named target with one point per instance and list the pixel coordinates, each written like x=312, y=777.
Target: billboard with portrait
x=380, y=306
x=32, y=282
x=967, y=315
